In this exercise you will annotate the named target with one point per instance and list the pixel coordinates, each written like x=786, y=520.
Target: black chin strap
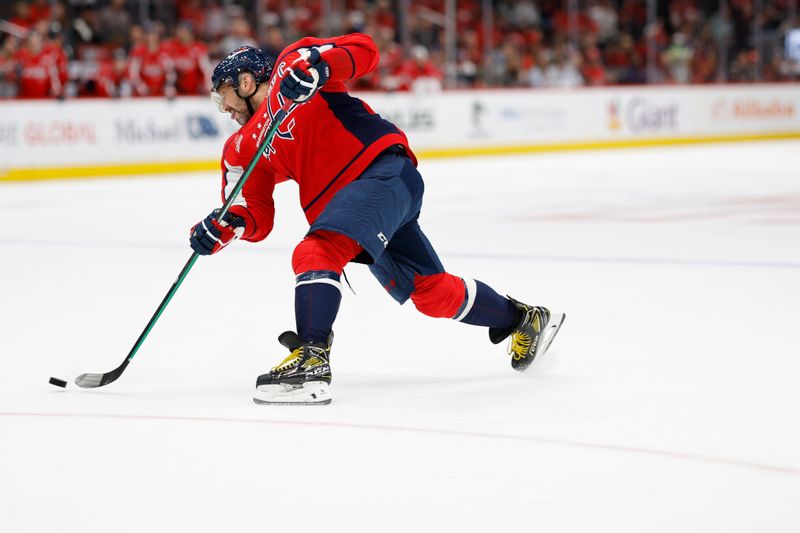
x=247, y=98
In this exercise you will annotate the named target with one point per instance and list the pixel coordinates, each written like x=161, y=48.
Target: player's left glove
x=212, y=235
x=306, y=75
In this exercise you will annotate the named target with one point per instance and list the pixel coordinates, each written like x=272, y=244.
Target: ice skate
x=531, y=337
x=300, y=379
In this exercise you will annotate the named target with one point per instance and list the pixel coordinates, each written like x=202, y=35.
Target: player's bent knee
x=324, y=250
x=438, y=295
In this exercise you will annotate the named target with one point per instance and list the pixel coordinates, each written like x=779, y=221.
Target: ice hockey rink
x=670, y=401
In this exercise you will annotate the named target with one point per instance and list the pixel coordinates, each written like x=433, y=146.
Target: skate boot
x=301, y=379
x=531, y=337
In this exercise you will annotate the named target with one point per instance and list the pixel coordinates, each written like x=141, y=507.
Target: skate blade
x=550, y=330
x=310, y=393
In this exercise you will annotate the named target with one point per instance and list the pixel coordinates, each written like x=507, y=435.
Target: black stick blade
x=92, y=381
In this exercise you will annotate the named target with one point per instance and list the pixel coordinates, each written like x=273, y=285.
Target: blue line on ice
x=660, y=261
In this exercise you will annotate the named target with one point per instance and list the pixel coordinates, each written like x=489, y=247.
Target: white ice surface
x=670, y=402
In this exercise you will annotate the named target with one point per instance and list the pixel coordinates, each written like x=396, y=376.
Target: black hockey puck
x=58, y=382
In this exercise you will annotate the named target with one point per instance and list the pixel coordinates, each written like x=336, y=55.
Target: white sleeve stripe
x=209, y=234
x=472, y=290
x=329, y=281
x=232, y=176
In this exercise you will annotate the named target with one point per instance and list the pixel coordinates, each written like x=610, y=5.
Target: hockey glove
x=307, y=74
x=212, y=235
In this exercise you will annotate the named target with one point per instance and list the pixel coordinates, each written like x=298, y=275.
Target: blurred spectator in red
x=37, y=71
x=420, y=73
x=633, y=17
x=584, y=23
x=385, y=76
x=8, y=67
x=192, y=11
x=616, y=58
x=635, y=73
x=190, y=57
x=22, y=15
x=136, y=41
x=303, y=18
x=695, y=41
x=152, y=71
x=592, y=69
x=40, y=10
x=114, y=23
x=54, y=48
x=624, y=61
x=383, y=15
x=111, y=79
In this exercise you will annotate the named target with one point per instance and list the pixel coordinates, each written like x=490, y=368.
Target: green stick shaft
x=279, y=117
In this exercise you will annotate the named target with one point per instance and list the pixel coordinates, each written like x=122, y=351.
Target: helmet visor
x=218, y=99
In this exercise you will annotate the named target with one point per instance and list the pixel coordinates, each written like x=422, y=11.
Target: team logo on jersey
x=287, y=132
x=284, y=130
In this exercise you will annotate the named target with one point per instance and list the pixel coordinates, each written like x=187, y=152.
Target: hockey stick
x=90, y=381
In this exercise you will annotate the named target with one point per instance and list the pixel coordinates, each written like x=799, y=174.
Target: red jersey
x=108, y=80
x=152, y=69
x=191, y=66
x=38, y=75
x=59, y=58
x=40, y=11
x=410, y=71
x=138, y=50
x=323, y=144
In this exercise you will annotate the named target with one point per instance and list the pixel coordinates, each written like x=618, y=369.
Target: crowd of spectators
x=75, y=48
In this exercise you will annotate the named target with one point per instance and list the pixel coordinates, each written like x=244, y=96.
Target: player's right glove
x=211, y=235
x=306, y=75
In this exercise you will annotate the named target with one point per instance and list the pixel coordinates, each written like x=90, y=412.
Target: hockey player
x=361, y=194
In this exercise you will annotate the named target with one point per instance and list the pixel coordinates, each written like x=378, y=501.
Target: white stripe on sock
x=329, y=281
x=472, y=290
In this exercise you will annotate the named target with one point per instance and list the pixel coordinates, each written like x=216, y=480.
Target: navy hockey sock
x=484, y=307
x=317, y=295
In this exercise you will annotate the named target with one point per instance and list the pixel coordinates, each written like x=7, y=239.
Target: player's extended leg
x=411, y=268
x=531, y=328
x=303, y=377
